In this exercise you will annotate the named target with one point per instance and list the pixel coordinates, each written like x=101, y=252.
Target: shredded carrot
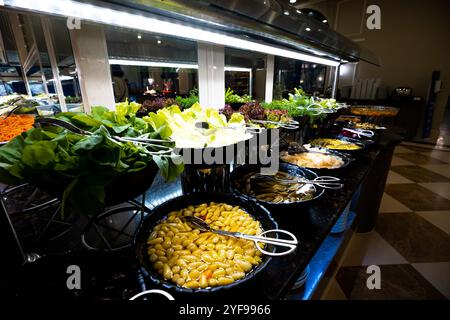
x=14, y=125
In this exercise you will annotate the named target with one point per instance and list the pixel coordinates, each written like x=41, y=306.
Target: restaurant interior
x=214, y=150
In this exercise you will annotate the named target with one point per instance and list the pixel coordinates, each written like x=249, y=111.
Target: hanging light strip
x=84, y=11
x=127, y=62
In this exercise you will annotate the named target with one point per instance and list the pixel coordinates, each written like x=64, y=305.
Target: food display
x=182, y=127
x=192, y=259
x=153, y=105
x=188, y=101
x=374, y=111
x=272, y=190
x=300, y=104
x=313, y=160
x=334, y=144
x=367, y=126
x=14, y=125
x=81, y=166
x=110, y=165
x=255, y=115
x=231, y=97
x=345, y=118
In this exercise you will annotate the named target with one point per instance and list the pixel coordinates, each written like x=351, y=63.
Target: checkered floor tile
x=411, y=241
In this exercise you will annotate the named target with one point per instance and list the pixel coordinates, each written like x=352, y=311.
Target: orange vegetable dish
x=14, y=125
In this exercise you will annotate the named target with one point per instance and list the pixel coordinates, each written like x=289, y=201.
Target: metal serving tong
x=291, y=243
x=361, y=132
x=295, y=148
x=139, y=140
x=203, y=125
x=317, y=109
x=12, y=110
x=290, y=125
x=326, y=182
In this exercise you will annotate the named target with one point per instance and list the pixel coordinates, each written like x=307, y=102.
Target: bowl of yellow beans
x=178, y=256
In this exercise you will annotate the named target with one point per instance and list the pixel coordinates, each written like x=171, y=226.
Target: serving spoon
x=291, y=244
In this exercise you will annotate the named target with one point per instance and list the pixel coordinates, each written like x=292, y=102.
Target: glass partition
x=290, y=74
x=146, y=66
x=28, y=70
x=66, y=63
x=245, y=73
x=11, y=80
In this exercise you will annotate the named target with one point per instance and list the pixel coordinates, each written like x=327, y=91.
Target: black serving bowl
x=291, y=169
x=347, y=159
x=363, y=144
x=121, y=188
x=160, y=213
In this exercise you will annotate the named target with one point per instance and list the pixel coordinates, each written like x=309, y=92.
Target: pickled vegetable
x=192, y=259
x=271, y=190
x=334, y=144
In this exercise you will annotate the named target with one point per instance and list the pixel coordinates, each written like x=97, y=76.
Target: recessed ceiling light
x=286, y=13
x=308, y=29
x=159, y=41
x=325, y=21
x=139, y=36
x=292, y=1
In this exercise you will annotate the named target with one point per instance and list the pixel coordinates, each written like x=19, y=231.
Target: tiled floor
x=411, y=241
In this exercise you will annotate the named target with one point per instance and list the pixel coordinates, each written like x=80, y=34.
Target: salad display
x=83, y=165
x=255, y=114
x=300, y=104
x=189, y=101
x=197, y=127
x=231, y=97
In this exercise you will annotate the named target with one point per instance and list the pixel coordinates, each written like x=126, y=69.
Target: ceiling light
x=126, y=62
x=292, y=1
x=308, y=29
x=89, y=12
x=239, y=69
x=325, y=21
x=286, y=13
x=299, y=11
x=147, y=63
x=159, y=41
x=139, y=36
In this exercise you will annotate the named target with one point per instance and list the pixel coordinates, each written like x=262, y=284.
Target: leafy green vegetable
x=231, y=97
x=189, y=101
x=298, y=105
x=82, y=167
x=180, y=126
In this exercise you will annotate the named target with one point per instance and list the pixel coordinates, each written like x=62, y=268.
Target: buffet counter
x=117, y=275
x=314, y=224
